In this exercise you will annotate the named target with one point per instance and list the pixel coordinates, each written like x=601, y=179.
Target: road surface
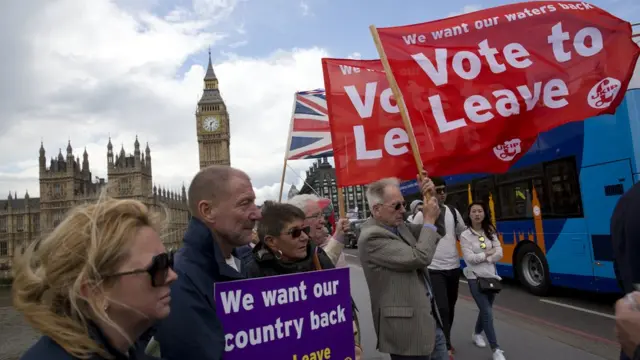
x=527, y=328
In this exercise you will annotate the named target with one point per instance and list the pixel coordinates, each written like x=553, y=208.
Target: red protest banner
x=368, y=138
x=478, y=85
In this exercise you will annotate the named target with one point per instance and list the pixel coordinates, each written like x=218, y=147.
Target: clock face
x=211, y=123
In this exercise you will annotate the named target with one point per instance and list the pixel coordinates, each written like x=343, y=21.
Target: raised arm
x=397, y=255
x=334, y=249
x=335, y=243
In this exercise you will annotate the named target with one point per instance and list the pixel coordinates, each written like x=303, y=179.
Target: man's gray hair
x=300, y=201
x=375, y=190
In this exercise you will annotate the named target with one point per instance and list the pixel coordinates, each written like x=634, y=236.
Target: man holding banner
x=394, y=257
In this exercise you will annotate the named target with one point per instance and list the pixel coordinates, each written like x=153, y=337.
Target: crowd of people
x=102, y=285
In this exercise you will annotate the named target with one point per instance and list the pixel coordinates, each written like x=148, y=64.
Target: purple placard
x=301, y=316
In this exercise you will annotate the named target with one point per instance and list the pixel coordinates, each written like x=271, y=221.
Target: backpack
x=455, y=217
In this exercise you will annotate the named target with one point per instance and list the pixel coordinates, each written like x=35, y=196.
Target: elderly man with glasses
x=394, y=257
x=313, y=208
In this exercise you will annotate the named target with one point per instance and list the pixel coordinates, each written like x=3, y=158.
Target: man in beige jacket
x=394, y=257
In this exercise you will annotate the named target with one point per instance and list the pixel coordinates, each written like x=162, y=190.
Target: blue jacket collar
x=206, y=252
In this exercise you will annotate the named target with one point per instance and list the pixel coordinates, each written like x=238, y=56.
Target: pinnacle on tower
x=210, y=75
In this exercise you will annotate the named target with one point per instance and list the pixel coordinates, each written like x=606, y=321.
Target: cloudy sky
x=83, y=70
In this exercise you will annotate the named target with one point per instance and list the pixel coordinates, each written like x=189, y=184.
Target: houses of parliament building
x=67, y=181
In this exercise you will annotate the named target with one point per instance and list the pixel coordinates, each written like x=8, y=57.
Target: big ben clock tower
x=212, y=123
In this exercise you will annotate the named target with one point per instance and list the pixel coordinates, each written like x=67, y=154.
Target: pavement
x=566, y=325
x=15, y=334
x=527, y=328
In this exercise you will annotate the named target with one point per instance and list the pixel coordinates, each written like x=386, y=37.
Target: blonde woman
x=96, y=283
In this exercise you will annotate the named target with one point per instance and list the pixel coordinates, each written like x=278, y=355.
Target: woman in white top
x=481, y=250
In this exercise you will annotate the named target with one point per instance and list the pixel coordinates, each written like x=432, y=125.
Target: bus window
x=563, y=188
x=481, y=190
x=515, y=200
x=542, y=195
x=458, y=197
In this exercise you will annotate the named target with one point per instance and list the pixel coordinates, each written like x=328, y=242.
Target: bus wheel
x=533, y=269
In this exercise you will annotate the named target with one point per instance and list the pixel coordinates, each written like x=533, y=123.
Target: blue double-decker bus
x=553, y=208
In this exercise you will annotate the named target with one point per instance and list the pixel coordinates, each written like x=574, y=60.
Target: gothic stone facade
x=67, y=181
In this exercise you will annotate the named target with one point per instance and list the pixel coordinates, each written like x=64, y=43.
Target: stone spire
x=210, y=75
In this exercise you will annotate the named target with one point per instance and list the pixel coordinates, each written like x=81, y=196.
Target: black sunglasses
x=441, y=190
x=297, y=232
x=158, y=270
x=398, y=206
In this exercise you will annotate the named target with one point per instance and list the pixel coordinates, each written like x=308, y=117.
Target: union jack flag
x=309, y=135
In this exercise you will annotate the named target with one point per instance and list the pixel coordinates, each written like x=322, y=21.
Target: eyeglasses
x=396, y=206
x=483, y=244
x=158, y=270
x=314, y=216
x=441, y=190
x=297, y=232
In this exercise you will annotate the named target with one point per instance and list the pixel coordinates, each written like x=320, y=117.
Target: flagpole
x=400, y=102
x=286, y=152
x=304, y=181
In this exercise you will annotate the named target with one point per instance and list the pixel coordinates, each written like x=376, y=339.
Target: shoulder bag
x=489, y=285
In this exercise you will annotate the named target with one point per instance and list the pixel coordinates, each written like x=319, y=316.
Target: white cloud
x=82, y=70
x=306, y=11
x=214, y=9
x=240, y=29
x=466, y=9
x=238, y=44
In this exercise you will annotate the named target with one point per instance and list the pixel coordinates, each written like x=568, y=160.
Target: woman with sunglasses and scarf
x=285, y=248
x=95, y=284
x=481, y=250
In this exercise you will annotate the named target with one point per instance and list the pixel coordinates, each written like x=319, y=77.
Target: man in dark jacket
x=224, y=213
x=625, y=236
